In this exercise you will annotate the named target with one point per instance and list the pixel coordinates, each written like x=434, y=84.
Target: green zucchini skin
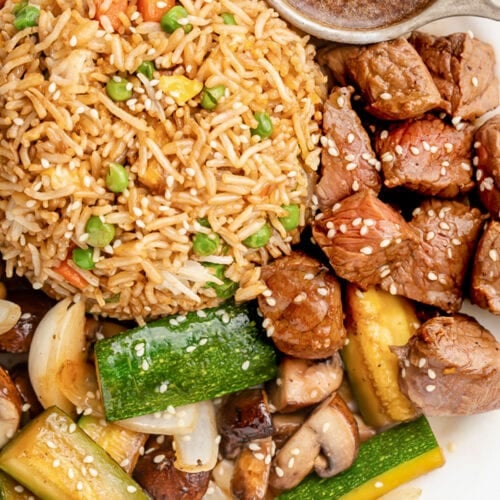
x=377, y=456
x=182, y=359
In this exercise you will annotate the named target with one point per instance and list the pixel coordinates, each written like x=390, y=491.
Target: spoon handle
x=445, y=8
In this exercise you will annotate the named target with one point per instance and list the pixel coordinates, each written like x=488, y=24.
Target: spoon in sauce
x=370, y=21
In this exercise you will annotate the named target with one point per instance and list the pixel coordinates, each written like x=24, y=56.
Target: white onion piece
x=10, y=313
x=198, y=450
x=59, y=337
x=214, y=492
x=222, y=474
x=179, y=420
x=78, y=383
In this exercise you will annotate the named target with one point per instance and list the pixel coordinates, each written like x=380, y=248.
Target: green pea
x=18, y=6
x=210, y=96
x=26, y=17
x=146, y=68
x=292, y=219
x=205, y=244
x=116, y=178
x=203, y=221
x=228, y=18
x=228, y=287
x=83, y=258
x=260, y=238
x=100, y=233
x=264, y=125
x=119, y=88
x=169, y=22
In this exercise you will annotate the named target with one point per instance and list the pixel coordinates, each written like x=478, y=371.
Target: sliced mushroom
x=285, y=425
x=303, y=382
x=327, y=442
x=243, y=417
x=156, y=473
x=251, y=470
x=10, y=407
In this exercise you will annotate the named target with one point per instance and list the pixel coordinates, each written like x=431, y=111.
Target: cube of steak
x=463, y=70
x=487, y=149
x=428, y=156
x=451, y=366
x=364, y=238
x=485, y=283
x=391, y=77
x=348, y=161
x=434, y=273
x=304, y=309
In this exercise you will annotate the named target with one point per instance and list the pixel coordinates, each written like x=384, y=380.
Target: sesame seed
x=56, y=462
x=364, y=230
x=79, y=486
x=387, y=157
x=355, y=186
x=51, y=445
x=279, y=471
x=426, y=146
x=456, y=120
x=448, y=147
x=475, y=81
x=295, y=451
x=308, y=276
x=430, y=387
x=259, y=456
x=493, y=255
x=326, y=427
x=432, y=276
x=72, y=427
x=254, y=446
x=378, y=484
x=291, y=462
x=323, y=291
x=393, y=290
x=340, y=101
x=245, y=365
x=444, y=225
x=73, y=41
x=25, y=407
x=145, y=365
x=430, y=235
x=350, y=138
x=399, y=149
x=384, y=134
x=415, y=150
x=357, y=221
x=385, y=96
x=431, y=373
x=88, y=459
x=351, y=166
x=71, y=473
x=465, y=166
x=332, y=151
x=271, y=301
x=18, y=488
x=422, y=362
x=385, y=243
x=158, y=458
x=190, y=348
x=366, y=250
x=131, y=488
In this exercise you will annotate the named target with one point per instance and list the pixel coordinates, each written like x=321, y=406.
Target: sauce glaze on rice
x=59, y=131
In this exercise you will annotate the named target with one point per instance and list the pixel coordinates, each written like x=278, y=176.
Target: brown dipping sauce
x=360, y=14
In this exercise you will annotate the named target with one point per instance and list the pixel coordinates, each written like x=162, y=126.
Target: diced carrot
x=153, y=10
x=70, y=275
x=112, y=11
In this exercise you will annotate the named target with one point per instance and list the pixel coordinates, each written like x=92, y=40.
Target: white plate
x=471, y=445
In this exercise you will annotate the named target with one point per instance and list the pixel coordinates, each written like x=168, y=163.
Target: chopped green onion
x=117, y=178
x=26, y=17
x=146, y=68
x=292, y=219
x=119, y=88
x=264, y=125
x=83, y=258
x=228, y=18
x=228, y=287
x=99, y=233
x=210, y=96
x=205, y=244
x=259, y=238
x=169, y=22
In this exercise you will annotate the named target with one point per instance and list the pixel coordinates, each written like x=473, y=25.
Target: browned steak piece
x=485, y=283
x=428, y=156
x=393, y=80
x=487, y=146
x=303, y=310
x=434, y=273
x=348, y=161
x=364, y=238
x=451, y=366
x=463, y=70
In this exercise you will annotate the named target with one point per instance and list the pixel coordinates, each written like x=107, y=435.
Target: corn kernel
x=180, y=88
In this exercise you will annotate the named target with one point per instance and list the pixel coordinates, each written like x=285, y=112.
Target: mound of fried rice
x=59, y=132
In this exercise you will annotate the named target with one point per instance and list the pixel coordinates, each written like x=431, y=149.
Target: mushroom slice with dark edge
x=10, y=407
x=327, y=442
x=251, y=470
x=304, y=382
x=287, y=424
x=243, y=417
x=156, y=473
x=303, y=309
x=451, y=366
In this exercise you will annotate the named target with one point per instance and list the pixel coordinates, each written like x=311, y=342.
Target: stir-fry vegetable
x=99, y=233
x=83, y=258
x=147, y=68
x=182, y=359
x=291, y=220
x=174, y=19
x=117, y=178
x=264, y=126
x=26, y=16
x=211, y=96
x=119, y=88
x=205, y=244
x=153, y=10
x=259, y=238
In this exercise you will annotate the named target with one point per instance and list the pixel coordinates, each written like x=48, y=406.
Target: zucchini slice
x=384, y=462
x=55, y=459
x=182, y=359
x=10, y=489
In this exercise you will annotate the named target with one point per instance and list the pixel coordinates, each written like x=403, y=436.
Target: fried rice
x=59, y=132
